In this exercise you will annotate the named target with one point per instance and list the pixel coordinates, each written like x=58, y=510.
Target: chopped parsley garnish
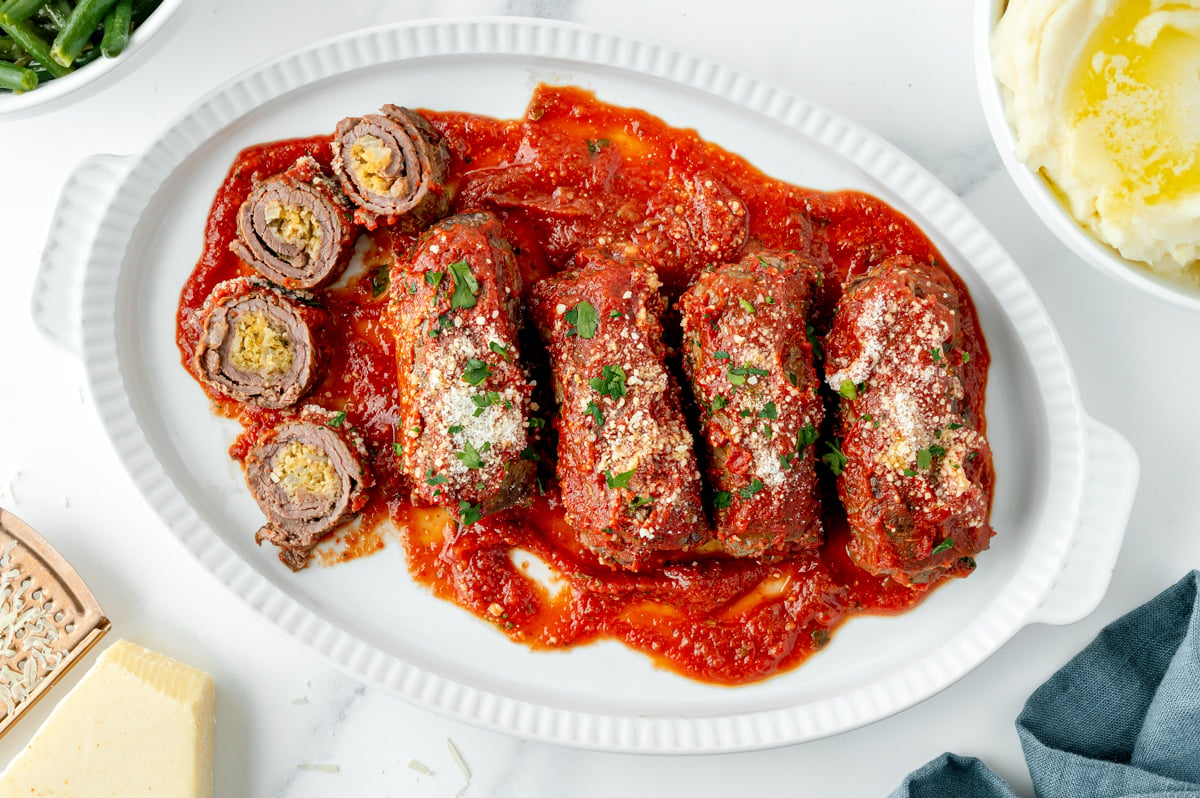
x=762, y=261
x=908, y=472
x=380, y=278
x=936, y=354
x=966, y=358
x=834, y=457
x=583, y=318
x=484, y=401
x=541, y=487
x=593, y=410
x=466, y=287
x=813, y=340
x=785, y=460
x=614, y=314
x=945, y=545
x=502, y=351
x=434, y=479
x=398, y=448
x=805, y=437
x=597, y=145
x=529, y=454
x=954, y=426
x=768, y=411
x=469, y=456
x=477, y=371
x=721, y=354
x=766, y=430
x=746, y=304
x=925, y=457
x=469, y=513
x=770, y=300
x=793, y=379
x=536, y=423
x=744, y=413
x=455, y=428
x=443, y=322
x=434, y=279
x=848, y=390
x=640, y=502
x=719, y=402
x=611, y=382
x=722, y=499
x=738, y=375
x=619, y=480
x=754, y=487
x=337, y=419
x=865, y=417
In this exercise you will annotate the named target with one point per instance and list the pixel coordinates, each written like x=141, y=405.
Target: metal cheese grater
x=48, y=618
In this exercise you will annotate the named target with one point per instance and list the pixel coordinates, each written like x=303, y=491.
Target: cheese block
x=138, y=723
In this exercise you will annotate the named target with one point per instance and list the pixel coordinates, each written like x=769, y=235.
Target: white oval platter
x=135, y=231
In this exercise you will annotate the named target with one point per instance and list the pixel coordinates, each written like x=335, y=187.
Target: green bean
x=24, y=34
x=57, y=12
x=79, y=29
x=116, y=29
x=17, y=78
x=19, y=10
x=10, y=50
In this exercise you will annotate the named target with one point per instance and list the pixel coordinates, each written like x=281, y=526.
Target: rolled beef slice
x=465, y=398
x=394, y=165
x=258, y=346
x=296, y=228
x=917, y=466
x=626, y=463
x=747, y=354
x=308, y=477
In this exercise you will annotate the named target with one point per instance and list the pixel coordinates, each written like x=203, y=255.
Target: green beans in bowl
x=51, y=48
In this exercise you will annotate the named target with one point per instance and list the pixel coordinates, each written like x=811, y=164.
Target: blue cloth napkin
x=1120, y=719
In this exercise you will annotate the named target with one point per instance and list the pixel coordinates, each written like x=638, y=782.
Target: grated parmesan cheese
x=27, y=631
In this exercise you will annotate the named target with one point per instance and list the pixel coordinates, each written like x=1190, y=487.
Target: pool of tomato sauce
x=575, y=172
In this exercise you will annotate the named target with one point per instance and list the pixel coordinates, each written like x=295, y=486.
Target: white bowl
x=1037, y=191
x=56, y=92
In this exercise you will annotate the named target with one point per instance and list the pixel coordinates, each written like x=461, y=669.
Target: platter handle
x=57, y=289
x=1111, y=480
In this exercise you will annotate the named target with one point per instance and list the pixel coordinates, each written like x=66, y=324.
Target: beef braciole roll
x=296, y=228
x=917, y=465
x=393, y=164
x=258, y=346
x=464, y=396
x=628, y=473
x=308, y=475
x=751, y=366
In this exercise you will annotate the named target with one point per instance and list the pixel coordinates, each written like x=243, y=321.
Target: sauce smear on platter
x=574, y=173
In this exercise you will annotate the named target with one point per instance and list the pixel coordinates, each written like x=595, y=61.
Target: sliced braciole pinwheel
x=393, y=165
x=308, y=475
x=258, y=346
x=296, y=229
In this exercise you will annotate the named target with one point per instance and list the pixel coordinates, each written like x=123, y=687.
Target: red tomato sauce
x=578, y=172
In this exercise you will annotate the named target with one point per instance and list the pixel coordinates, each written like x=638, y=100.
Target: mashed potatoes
x=1104, y=97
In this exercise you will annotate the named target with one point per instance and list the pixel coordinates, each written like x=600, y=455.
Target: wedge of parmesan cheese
x=138, y=723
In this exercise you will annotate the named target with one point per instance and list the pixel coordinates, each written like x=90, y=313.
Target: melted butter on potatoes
x=302, y=469
x=1104, y=99
x=261, y=346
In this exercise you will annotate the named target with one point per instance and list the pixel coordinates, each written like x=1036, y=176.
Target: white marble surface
x=903, y=69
